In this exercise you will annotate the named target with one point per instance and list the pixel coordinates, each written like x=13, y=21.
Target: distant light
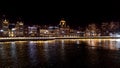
x=21, y=23
x=78, y=32
x=62, y=20
x=117, y=35
x=1, y=30
x=117, y=39
x=51, y=27
x=46, y=31
x=13, y=29
x=56, y=27
x=63, y=32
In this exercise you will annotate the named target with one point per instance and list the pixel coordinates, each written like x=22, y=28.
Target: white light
x=117, y=35
x=63, y=32
x=1, y=30
x=117, y=39
x=50, y=27
x=78, y=32
x=13, y=29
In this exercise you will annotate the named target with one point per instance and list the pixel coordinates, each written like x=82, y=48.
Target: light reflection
x=13, y=54
x=62, y=51
x=46, y=50
x=118, y=45
x=19, y=50
x=78, y=42
x=113, y=44
x=5, y=42
x=43, y=41
x=92, y=42
x=5, y=54
x=32, y=52
x=2, y=50
x=117, y=39
x=2, y=55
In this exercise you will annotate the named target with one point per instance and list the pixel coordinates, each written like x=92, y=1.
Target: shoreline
x=51, y=38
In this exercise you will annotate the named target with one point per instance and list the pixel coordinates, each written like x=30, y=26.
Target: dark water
x=72, y=53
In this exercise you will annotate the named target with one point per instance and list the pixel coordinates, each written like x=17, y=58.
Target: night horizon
x=75, y=14
x=41, y=19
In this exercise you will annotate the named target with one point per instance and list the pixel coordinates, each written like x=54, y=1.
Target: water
x=74, y=53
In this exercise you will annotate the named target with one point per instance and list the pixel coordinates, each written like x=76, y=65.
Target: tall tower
x=5, y=27
x=62, y=23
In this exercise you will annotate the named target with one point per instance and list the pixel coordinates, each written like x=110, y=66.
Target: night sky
x=75, y=13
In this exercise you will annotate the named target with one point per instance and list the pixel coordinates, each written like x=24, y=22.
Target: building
x=53, y=30
x=62, y=23
x=32, y=31
x=5, y=28
x=19, y=29
x=64, y=29
x=12, y=32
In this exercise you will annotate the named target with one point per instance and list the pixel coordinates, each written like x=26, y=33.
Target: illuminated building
x=44, y=32
x=19, y=29
x=53, y=30
x=12, y=32
x=62, y=23
x=26, y=31
x=1, y=31
x=32, y=31
x=5, y=28
x=64, y=29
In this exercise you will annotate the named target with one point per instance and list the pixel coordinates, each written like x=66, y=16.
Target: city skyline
x=19, y=29
x=54, y=20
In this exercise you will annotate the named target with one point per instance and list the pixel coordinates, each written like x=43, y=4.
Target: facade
x=64, y=29
x=32, y=31
x=19, y=29
x=62, y=23
x=12, y=32
x=5, y=28
x=53, y=30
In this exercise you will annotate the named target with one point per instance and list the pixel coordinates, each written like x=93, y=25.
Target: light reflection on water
x=60, y=53
x=46, y=50
x=113, y=44
x=14, y=54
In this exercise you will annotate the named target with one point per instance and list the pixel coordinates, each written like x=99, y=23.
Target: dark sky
x=50, y=12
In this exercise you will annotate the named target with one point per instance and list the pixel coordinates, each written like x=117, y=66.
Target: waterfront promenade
x=52, y=38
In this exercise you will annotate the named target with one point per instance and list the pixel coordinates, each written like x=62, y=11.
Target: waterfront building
x=32, y=31
x=19, y=29
x=53, y=30
x=5, y=28
x=64, y=29
x=26, y=33
x=12, y=32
